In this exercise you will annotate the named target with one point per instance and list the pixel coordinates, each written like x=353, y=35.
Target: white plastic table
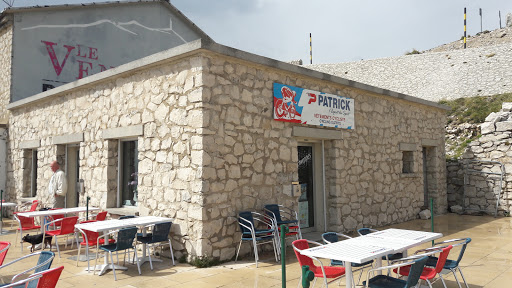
x=370, y=246
x=5, y=204
x=115, y=224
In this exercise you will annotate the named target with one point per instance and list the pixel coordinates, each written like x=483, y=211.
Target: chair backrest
x=302, y=244
x=49, y=278
x=89, y=237
x=4, y=247
x=365, y=231
x=68, y=225
x=415, y=272
x=330, y=237
x=126, y=217
x=56, y=217
x=247, y=215
x=43, y=257
x=26, y=222
x=462, y=250
x=101, y=216
x=125, y=238
x=33, y=207
x=161, y=232
x=273, y=208
x=442, y=258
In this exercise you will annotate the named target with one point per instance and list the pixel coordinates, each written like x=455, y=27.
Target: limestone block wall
x=5, y=70
x=493, y=145
x=167, y=101
x=253, y=159
x=435, y=76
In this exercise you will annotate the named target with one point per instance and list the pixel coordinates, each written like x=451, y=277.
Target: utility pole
x=464, y=27
x=310, y=49
x=499, y=15
x=9, y=3
x=481, y=30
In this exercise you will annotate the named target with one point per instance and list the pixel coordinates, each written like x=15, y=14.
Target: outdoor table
x=5, y=204
x=371, y=246
x=115, y=224
x=42, y=214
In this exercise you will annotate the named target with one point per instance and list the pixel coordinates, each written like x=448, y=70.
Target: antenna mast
x=8, y=2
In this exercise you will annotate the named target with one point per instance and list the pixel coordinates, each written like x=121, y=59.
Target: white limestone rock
x=425, y=214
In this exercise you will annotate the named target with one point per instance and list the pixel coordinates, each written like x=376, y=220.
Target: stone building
x=191, y=133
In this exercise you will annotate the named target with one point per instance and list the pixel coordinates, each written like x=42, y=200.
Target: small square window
x=407, y=162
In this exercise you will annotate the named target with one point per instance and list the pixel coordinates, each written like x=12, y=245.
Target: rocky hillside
x=484, y=39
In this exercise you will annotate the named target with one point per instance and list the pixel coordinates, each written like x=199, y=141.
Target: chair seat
x=145, y=239
x=53, y=232
x=395, y=256
x=102, y=241
x=383, y=281
x=427, y=274
x=258, y=238
x=29, y=228
x=450, y=264
x=285, y=222
x=341, y=263
x=330, y=272
x=110, y=247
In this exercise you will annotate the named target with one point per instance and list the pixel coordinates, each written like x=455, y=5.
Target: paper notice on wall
x=304, y=214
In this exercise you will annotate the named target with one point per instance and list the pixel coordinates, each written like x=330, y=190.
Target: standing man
x=58, y=186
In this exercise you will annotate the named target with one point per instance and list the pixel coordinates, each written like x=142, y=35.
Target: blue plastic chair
x=332, y=237
x=44, y=262
x=159, y=234
x=384, y=281
x=248, y=221
x=452, y=265
x=125, y=239
x=389, y=257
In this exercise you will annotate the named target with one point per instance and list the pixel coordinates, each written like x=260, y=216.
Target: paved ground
x=487, y=262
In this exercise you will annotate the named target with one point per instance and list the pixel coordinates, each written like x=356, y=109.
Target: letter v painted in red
x=51, y=52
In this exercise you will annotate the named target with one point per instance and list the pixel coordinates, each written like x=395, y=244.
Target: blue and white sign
x=299, y=105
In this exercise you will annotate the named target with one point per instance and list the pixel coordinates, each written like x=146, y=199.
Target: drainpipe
x=323, y=187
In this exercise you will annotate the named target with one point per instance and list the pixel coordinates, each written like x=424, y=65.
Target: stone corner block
x=503, y=126
x=487, y=127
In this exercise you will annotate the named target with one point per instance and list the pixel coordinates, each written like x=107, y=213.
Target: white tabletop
x=8, y=204
x=57, y=211
x=347, y=251
x=364, y=248
x=101, y=226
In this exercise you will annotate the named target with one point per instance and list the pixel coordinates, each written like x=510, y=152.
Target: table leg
x=349, y=278
x=378, y=263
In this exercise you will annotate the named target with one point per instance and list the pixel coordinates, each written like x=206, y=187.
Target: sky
x=342, y=30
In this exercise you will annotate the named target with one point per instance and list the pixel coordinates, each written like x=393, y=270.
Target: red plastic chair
x=25, y=223
x=4, y=247
x=326, y=272
x=33, y=207
x=49, y=278
x=67, y=228
x=101, y=216
x=428, y=272
x=90, y=238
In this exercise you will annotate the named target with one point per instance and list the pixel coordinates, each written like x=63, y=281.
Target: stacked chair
x=159, y=236
x=251, y=224
x=44, y=262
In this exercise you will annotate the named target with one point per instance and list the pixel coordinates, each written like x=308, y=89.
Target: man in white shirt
x=58, y=186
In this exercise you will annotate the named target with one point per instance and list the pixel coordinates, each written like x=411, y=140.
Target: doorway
x=72, y=175
x=429, y=176
x=311, y=201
